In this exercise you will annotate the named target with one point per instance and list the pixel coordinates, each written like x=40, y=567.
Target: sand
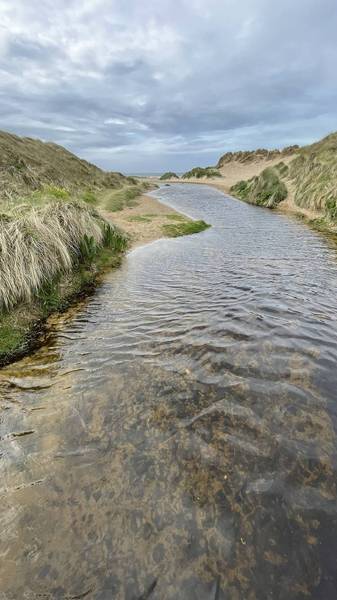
x=142, y=232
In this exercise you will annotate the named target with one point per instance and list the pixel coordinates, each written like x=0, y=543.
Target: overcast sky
x=144, y=86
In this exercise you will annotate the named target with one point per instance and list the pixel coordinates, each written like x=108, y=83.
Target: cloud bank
x=144, y=87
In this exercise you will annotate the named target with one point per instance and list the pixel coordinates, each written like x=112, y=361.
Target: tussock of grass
x=39, y=243
x=267, y=189
x=184, y=228
x=48, y=256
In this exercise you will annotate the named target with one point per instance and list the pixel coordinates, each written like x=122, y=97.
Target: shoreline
x=143, y=223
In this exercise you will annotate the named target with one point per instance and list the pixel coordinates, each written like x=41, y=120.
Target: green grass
x=267, y=189
x=199, y=172
x=49, y=254
x=169, y=175
x=175, y=217
x=20, y=326
x=11, y=336
x=117, y=200
x=184, y=228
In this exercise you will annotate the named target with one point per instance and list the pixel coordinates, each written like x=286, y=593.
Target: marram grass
x=38, y=244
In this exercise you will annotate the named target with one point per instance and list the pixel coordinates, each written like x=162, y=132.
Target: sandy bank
x=143, y=223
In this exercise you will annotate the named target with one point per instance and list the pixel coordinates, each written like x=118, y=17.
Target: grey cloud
x=139, y=87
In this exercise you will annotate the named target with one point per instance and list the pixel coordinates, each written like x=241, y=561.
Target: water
x=176, y=437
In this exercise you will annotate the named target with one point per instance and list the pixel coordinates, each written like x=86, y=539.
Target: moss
x=11, y=336
x=90, y=198
x=184, y=228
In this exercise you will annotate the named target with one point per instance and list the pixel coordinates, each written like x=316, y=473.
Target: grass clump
x=267, y=189
x=200, y=172
x=169, y=175
x=48, y=256
x=184, y=228
x=124, y=198
x=37, y=244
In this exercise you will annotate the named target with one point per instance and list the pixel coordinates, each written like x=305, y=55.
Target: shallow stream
x=175, y=439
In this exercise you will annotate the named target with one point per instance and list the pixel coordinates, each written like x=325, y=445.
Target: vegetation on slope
x=169, y=175
x=267, y=189
x=116, y=200
x=200, y=172
x=28, y=165
x=53, y=242
x=311, y=177
x=248, y=156
x=49, y=254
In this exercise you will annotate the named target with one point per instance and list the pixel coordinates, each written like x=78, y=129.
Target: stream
x=175, y=438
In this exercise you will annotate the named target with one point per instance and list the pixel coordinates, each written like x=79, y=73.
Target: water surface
x=176, y=436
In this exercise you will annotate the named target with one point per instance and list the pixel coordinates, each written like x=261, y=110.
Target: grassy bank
x=266, y=189
x=55, y=245
x=184, y=228
x=51, y=253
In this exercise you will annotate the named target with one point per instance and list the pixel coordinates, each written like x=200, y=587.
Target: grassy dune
x=50, y=253
x=266, y=189
x=202, y=172
x=54, y=242
x=40, y=244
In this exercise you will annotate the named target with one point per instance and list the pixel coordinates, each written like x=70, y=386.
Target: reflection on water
x=175, y=439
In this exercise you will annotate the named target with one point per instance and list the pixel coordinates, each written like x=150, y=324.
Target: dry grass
x=39, y=243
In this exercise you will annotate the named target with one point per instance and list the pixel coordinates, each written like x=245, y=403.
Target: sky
x=140, y=86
